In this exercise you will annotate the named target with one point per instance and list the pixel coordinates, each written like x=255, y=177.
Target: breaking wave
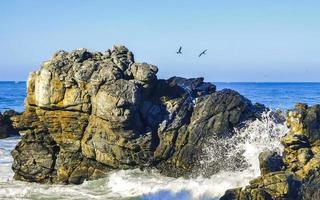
x=235, y=159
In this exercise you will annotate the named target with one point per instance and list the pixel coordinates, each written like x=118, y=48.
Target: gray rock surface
x=88, y=113
x=310, y=189
x=270, y=162
x=6, y=128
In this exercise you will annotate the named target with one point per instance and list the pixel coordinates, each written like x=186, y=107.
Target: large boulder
x=88, y=113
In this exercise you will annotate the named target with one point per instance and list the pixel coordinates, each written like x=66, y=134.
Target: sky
x=247, y=40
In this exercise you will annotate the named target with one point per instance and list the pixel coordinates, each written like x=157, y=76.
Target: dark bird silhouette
x=179, y=51
x=203, y=53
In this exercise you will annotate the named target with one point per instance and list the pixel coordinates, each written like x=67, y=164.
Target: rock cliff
x=87, y=113
x=295, y=174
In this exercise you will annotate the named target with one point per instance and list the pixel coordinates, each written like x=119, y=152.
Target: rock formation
x=295, y=175
x=88, y=113
x=6, y=128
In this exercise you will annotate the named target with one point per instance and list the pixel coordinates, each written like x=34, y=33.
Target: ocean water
x=257, y=136
x=277, y=95
x=12, y=95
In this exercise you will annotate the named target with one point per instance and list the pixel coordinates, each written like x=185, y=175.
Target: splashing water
x=241, y=151
x=249, y=141
x=6, y=145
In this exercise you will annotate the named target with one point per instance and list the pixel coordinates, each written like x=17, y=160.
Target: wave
x=224, y=154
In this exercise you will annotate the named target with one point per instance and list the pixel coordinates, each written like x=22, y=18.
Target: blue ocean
x=277, y=95
x=149, y=185
x=273, y=95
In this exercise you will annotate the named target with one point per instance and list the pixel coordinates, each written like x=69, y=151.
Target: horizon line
x=22, y=81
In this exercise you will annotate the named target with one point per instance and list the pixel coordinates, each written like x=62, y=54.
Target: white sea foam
x=6, y=145
x=131, y=184
x=254, y=138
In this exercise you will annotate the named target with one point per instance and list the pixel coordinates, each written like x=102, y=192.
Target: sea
x=256, y=137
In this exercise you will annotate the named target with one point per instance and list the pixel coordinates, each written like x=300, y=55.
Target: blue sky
x=246, y=40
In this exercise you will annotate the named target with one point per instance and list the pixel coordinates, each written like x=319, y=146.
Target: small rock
x=6, y=128
x=270, y=162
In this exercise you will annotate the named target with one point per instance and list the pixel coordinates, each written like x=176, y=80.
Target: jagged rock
x=213, y=116
x=88, y=113
x=310, y=189
x=195, y=86
x=6, y=128
x=299, y=176
x=274, y=185
x=302, y=143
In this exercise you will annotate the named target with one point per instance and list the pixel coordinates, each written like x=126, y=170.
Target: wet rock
x=270, y=162
x=310, y=189
x=299, y=176
x=274, y=185
x=301, y=143
x=279, y=116
x=6, y=128
x=213, y=116
x=218, y=112
x=39, y=166
x=87, y=113
x=3, y=128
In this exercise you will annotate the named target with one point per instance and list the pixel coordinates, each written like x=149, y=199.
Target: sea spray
x=247, y=143
x=241, y=151
x=6, y=145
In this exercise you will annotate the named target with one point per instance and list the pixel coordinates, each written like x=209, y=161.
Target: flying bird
x=179, y=51
x=203, y=53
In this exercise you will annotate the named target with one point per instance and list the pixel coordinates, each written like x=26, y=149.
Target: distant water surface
x=277, y=95
x=273, y=95
x=12, y=95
